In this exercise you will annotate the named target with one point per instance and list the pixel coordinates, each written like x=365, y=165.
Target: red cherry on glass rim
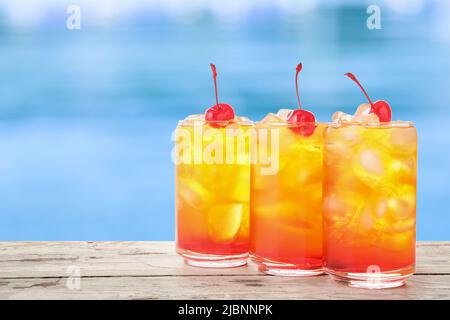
x=219, y=114
x=381, y=108
x=300, y=116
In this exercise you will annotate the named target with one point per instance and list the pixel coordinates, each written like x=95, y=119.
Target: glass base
x=285, y=269
x=374, y=280
x=202, y=260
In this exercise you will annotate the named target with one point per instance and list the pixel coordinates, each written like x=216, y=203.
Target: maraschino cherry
x=219, y=114
x=381, y=108
x=301, y=116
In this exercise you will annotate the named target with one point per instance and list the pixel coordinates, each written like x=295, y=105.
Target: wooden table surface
x=152, y=270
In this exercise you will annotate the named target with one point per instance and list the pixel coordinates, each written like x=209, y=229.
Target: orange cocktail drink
x=369, y=191
x=212, y=186
x=212, y=197
x=286, y=202
x=286, y=193
x=370, y=202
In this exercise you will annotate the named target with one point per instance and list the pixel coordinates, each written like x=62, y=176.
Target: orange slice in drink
x=224, y=221
x=194, y=193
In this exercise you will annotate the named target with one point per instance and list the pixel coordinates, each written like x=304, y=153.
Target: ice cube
x=365, y=219
x=381, y=207
x=271, y=117
x=404, y=139
x=284, y=114
x=403, y=204
x=193, y=193
x=362, y=110
x=371, y=161
x=363, y=115
x=371, y=118
x=394, y=207
x=339, y=117
x=336, y=208
x=351, y=134
x=241, y=119
x=403, y=170
x=193, y=119
x=367, y=164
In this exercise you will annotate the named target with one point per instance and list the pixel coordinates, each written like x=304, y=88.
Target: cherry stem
x=352, y=76
x=299, y=68
x=214, y=72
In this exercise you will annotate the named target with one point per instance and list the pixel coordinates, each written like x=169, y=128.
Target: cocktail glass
x=212, y=183
x=369, y=192
x=286, y=198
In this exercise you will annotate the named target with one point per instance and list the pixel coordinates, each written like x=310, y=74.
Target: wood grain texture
x=218, y=287
x=152, y=270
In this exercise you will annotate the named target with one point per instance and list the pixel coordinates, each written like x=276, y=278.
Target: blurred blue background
x=86, y=115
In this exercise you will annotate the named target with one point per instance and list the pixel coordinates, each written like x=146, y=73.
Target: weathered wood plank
x=218, y=287
x=433, y=258
x=52, y=259
x=152, y=270
x=19, y=260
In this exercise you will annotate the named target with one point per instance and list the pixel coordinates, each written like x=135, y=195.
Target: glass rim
x=248, y=122
x=287, y=124
x=196, y=122
x=391, y=124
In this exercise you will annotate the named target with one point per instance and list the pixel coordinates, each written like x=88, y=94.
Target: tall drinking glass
x=286, y=199
x=212, y=183
x=370, y=203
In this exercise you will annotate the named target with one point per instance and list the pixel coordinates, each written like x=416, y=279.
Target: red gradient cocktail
x=370, y=198
x=286, y=201
x=212, y=183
